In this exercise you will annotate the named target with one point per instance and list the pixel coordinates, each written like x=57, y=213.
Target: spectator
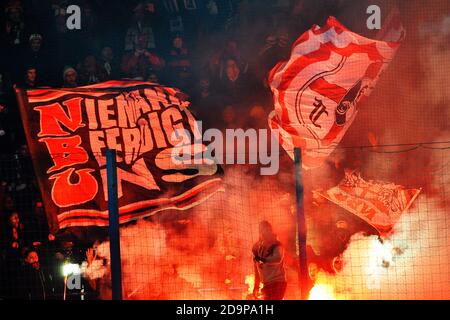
x=108, y=63
x=268, y=257
x=90, y=72
x=13, y=235
x=153, y=77
x=59, y=9
x=179, y=64
x=218, y=63
x=13, y=37
x=275, y=49
x=138, y=64
x=140, y=25
x=89, y=26
x=212, y=67
x=34, y=56
x=35, y=283
x=235, y=85
x=70, y=77
x=96, y=272
x=30, y=78
x=210, y=22
x=232, y=51
x=12, y=245
x=204, y=103
x=204, y=91
x=14, y=27
x=37, y=227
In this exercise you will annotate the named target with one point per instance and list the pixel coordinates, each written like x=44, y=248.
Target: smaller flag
x=378, y=203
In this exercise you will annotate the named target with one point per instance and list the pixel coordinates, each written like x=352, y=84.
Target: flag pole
x=301, y=225
x=114, y=232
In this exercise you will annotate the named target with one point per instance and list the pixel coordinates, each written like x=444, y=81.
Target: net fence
x=205, y=252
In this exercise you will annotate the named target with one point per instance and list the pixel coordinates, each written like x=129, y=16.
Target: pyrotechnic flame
x=382, y=252
x=322, y=291
x=380, y=256
x=250, y=282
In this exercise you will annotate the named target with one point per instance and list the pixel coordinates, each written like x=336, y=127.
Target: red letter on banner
x=66, y=194
x=65, y=152
x=53, y=115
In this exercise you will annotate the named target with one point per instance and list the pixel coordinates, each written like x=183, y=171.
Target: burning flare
x=322, y=291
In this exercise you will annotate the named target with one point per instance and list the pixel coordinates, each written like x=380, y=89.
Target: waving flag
x=69, y=130
x=379, y=203
x=318, y=91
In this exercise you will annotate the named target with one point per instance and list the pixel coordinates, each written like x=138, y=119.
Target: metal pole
x=301, y=225
x=114, y=234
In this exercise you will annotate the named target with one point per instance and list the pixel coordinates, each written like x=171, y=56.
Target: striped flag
x=317, y=93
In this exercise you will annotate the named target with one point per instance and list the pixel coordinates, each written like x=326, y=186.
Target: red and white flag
x=318, y=91
x=378, y=203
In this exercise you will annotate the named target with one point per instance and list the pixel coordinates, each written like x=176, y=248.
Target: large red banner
x=69, y=130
